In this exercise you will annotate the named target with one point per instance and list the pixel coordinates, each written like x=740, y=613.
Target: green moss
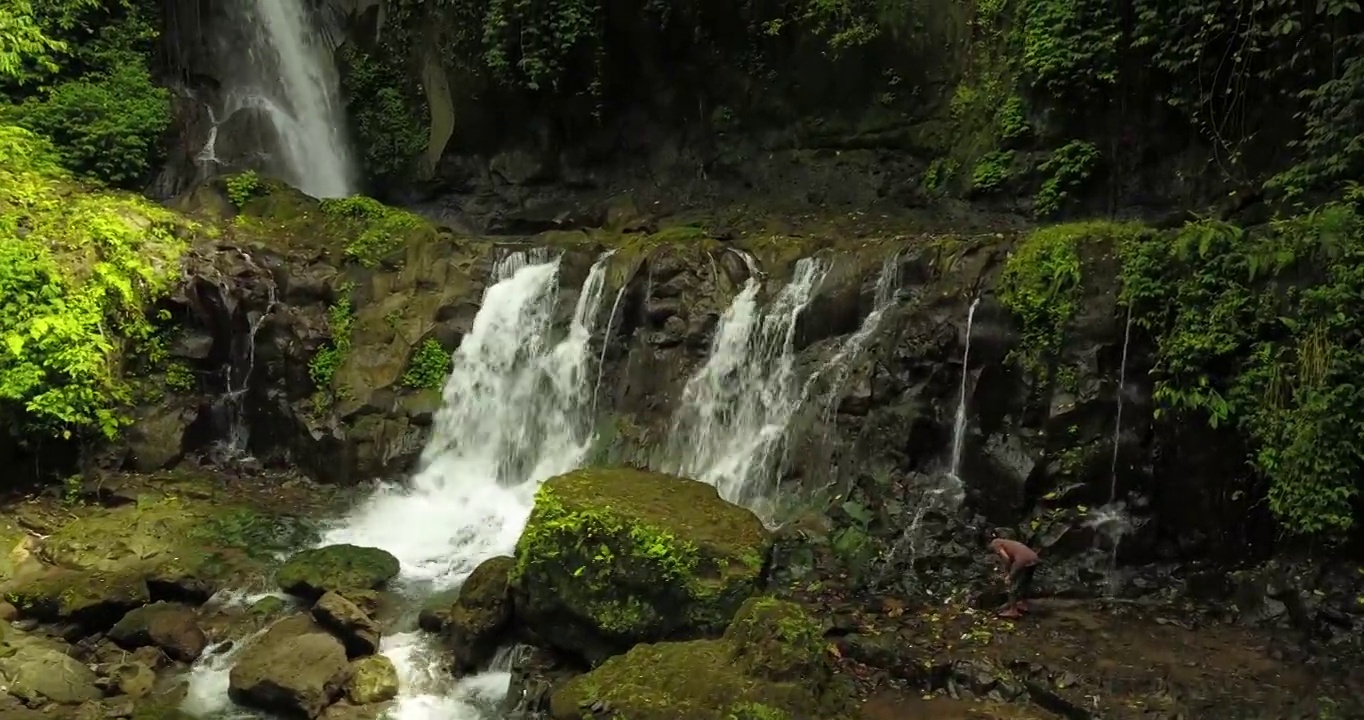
x=770, y=665
x=429, y=367
x=311, y=573
x=1041, y=285
x=615, y=556
x=384, y=228
x=107, y=556
x=365, y=230
x=78, y=270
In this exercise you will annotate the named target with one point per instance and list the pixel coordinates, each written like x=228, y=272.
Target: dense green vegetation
x=79, y=266
x=1255, y=329
x=77, y=72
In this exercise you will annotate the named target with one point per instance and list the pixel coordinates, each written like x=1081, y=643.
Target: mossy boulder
x=480, y=614
x=373, y=679
x=109, y=561
x=337, y=568
x=770, y=665
x=615, y=557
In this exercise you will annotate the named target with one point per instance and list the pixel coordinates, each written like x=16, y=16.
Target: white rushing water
x=516, y=413
x=841, y=364
x=732, y=419
x=290, y=77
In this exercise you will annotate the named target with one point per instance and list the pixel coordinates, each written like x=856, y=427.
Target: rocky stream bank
x=301, y=344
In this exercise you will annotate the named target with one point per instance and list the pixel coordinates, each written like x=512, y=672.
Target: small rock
x=173, y=628
x=373, y=679
x=348, y=623
x=8, y=613
x=133, y=679
x=151, y=656
x=435, y=612
x=311, y=573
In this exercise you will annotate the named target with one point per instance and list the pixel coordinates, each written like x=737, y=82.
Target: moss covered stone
x=105, y=562
x=311, y=573
x=770, y=665
x=480, y=614
x=615, y=557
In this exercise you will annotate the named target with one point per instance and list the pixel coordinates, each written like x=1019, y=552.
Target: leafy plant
x=242, y=187
x=1066, y=168
x=429, y=367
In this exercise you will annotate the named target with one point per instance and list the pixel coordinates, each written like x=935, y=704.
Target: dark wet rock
x=535, y=672
x=295, y=668
x=311, y=573
x=349, y=623
x=480, y=615
x=435, y=612
x=666, y=558
x=171, y=627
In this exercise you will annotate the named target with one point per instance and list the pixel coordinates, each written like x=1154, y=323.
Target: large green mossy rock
x=310, y=574
x=107, y=561
x=771, y=664
x=615, y=557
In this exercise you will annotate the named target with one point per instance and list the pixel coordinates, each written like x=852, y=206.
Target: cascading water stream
x=515, y=414
x=735, y=409
x=841, y=364
x=287, y=73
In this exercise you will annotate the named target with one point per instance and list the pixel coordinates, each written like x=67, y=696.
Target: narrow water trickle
x=959, y=423
x=729, y=426
x=1111, y=521
x=1117, y=421
x=947, y=491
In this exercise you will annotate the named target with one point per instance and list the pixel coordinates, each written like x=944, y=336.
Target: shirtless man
x=1018, y=563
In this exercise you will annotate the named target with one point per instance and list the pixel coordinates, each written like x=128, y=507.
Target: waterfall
x=841, y=364
x=959, y=424
x=515, y=413
x=735, y=409
x=284, y=70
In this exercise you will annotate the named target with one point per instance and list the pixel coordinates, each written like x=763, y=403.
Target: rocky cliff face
x=876, y=430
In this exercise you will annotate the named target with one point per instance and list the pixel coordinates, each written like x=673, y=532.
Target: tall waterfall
x=285, y=72
x=732, y=419
x=516, y=412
